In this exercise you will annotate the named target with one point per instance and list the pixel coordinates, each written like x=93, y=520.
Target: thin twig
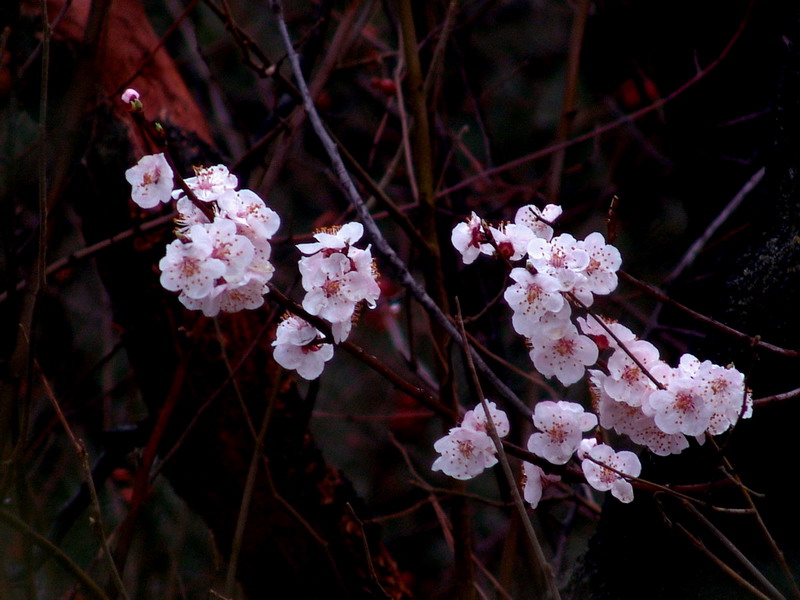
x=776, y=398
x=748, y=496
x=249, y=487
x=374, y=232
x=754, y=341
x=370, y=566
x=545, y=567
x=568, y=109
x=695, y=249
x=701, y=74
x=91, y=250
x=57, y=553
x=733, y=549
x=83, y=455
x=698, y=543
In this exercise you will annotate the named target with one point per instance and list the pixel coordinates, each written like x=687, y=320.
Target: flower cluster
x=337, y=278
x=215, y=264
x=299, y=347
x=467, y=449
x=557, y=269
x=637, y=394
x=658, y=406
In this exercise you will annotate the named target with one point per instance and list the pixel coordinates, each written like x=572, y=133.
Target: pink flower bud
x=130, y=95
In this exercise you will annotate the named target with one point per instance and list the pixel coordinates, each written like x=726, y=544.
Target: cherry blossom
x=682, y=407
x=151, y=180
x=600, y=275
x=252, y=216
x=512, y=240
x=534, y=480
x=628, y=382
x=633, y=422
x=564, y=357
x=562, y=424
x=538, y=221
x=530, y=298
x=585, y=447
x=129, y=95
x=591, y=326
x=465, y=453
x=190, y=267
x=337, y=277
x=476, y=419
x=606, y=475
x=335, y=238
x=726, y=393
x=468, y=237
x=562, y=257
x=236, y=251
x=298, y=348
x=209, y=183
x=467, y=450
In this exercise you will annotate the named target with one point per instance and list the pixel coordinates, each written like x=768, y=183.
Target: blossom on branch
x=468, y=449
x=338, y=277
x=534, y=480
x=561, y=426
x=299, y=347
x=151, y=181
x=604, y=470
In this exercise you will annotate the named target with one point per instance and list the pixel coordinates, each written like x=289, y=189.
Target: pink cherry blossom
x=151, y=180
x=334, y=238
x=726, y=393
x=190, y=267
x=530, y=298
x=236, y=251
x=628, y=382
x=129, y=95
x=337, y=276
x=600, y=275
x=538, y=221
x=605, y=476
x=534, y=480
x=585, y=447
x=682, y=407
x=476, y=419
x=297, y=348
x=513, y=240
x=209, y=183
x=562, y=424
x=562, y=257
x=590, y=326
x=252, y=216
x=565, y=357
x=465, y=453
x=468, y=237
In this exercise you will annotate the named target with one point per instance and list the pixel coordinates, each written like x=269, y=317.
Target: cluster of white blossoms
x=637, y=394
x=337, y=278
x=658, y=406
x=467, y=449
x=220, y=260
x=216, y=264
x=557, y=269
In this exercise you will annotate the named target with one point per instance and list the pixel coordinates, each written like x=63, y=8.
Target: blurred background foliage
x=701, y=78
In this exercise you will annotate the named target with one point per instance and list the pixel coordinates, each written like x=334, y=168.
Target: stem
x=83, y=455
x=776, y=551
x=568, y=109
x=731, y=547
x=547, y=571
x=247, y=494
x=57, y=553
x=374, y=232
